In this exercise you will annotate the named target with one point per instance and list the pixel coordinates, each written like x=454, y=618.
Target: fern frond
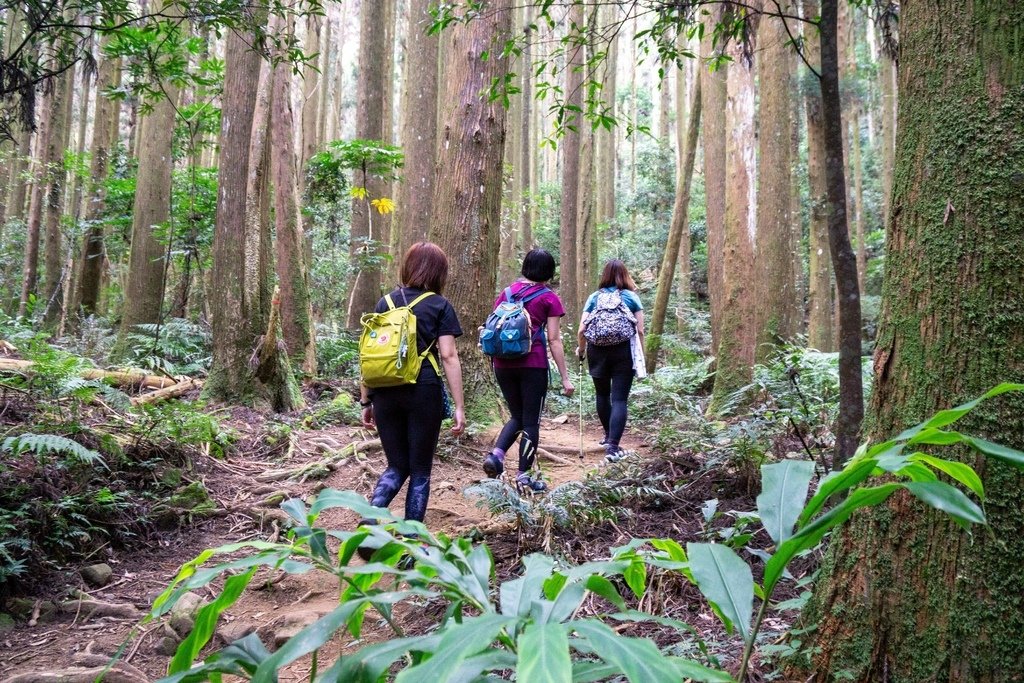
x=51, y=444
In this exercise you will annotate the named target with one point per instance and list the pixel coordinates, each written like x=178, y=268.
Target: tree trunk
x=713, y=111
x=465, y=220
x=568, y=279
x=296, y=309
x=418, y=136
x=775, y=247
x=325, y=83
x=586, y=208
x=104, y=136
x=240, y=291
x=75, y=195
x=508, y=266
x=820, y=331
x=606, y=138
x=905, y=594
x=310, y=93
x=15, y=206
x=737, y=330
x=858, y=195
x=34, y=221
x=53, y=289
x=844, y=261
x=678, y=248
x=665, y=105
x=368, y=230
x=526, y=150
x=147, y=264
x=887, y=78
x=798, y=305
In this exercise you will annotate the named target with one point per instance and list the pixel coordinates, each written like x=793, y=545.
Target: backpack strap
x=534, y=294
x=390, y=303
x=426, y=352
x=418, y=299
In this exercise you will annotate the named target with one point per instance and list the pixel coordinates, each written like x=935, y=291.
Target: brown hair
x=616, y=275
x=425, y=266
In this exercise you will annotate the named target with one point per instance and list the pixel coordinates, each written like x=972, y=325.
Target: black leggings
x=409, y=423
x=612, y=394
x=524, y=390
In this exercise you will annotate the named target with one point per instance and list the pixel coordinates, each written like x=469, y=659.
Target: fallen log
x=172, y=391
x=551, y=457
x=574, y=450
x=120, y=378
x=77, y=675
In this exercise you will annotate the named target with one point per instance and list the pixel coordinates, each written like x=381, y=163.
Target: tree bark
x=296, y=309
x=53, y=289
x=905, y=594
x=844, y=261
x=568, y=235
x=34, y=221
x=367, y=230
x=586, y=208
x=15, y=206
x=240, y=292
x=467, y=191
x=737, y=330
x=820, y=331
x=713, y=110
x=418, y=122
x=858, y=195
x=311, y=93
x=606, y=138
x=679, y=230
x=526, y=151
x=887, y=79
x=775, y=246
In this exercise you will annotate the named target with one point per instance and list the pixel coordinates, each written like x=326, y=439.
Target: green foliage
x=337, y=354
x=46, y=445
x=184, y=424
x=176, y=347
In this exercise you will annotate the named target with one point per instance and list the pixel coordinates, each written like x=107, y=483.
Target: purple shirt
x=540, y=308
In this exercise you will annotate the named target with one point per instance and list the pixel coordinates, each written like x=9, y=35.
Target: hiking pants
x=612, y=394
x=524, y=390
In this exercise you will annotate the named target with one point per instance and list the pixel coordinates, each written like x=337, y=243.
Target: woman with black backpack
x=611, y=336
x=523, y=380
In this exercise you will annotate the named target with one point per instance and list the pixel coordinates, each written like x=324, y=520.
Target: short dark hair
x=616, y=275
x=425, y=266
x=538, y=265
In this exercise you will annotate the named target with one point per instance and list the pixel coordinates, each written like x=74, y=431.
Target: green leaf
x=368, y=664
x=810, y=535
x=517, y=595
x=959, y=471
x=458, y=642
x=936, y=437
x=568, y=601
x=544, y=654
x=672, y=547
x=948, y=499
x=313, y=637
x=606, y=589
x=206, y=622
x=951, y=415
x=693, y=671
x=635, y=576
x=638, y=659
x=854, y=473
x=333, y=498
x=726, y=581
x=1002, y=453
x=783, y=492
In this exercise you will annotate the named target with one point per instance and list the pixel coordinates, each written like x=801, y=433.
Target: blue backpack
x=508, y=332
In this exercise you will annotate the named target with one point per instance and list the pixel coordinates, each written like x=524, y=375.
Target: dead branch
x=574, y=450
x=89, y=608
x=172, y=391
x=321, y=467
x=78, y=675
x=551, y=457
x=120, y=378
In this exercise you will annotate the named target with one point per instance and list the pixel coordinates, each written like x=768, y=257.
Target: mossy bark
x=906, y=595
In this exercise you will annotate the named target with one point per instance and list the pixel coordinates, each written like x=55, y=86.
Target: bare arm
x=581, y=341
x=639, y=315
x=558, y=353
x=453, y=373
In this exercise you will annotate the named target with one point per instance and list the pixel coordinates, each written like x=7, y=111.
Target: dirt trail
x=139, y=575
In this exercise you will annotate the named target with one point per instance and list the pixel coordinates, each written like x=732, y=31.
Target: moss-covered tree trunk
x=245, y=370
x=713, y=108
x=53, y=254
x=467, y=190
x=906, y=595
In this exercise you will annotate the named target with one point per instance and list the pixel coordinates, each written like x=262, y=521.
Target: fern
x=46, y=444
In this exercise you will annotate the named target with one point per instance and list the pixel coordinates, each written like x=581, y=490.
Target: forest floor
x=283, y=601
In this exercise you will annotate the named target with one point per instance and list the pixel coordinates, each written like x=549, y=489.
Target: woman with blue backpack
x=517, y=336
x=611, y=336
x=418, y=325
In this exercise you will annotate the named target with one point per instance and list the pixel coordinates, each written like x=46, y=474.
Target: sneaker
x=493, y=466
x=603, y=441
x=617, y=454
x=529, y=484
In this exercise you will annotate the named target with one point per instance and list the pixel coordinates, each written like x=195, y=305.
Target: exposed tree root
x=79, y=675
x=88, y=608
x=574, y=450
x=551, y=457
x=319, y=468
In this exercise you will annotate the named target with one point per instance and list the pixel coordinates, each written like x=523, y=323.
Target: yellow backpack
x=387, y=346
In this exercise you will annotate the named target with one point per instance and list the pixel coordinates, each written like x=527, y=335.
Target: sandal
x=493, y=466
x=529, y=484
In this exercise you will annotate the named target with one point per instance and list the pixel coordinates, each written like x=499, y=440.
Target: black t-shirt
x=435, y=317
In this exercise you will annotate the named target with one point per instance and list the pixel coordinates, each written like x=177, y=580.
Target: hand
x=581, y=352
x=567, y=387
x=367, y=418
x=459, y=422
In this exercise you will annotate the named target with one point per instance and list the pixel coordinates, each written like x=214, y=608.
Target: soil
x=142, y=573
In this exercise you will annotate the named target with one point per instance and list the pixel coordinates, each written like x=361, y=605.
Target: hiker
x=611, y=336
x=524, y=381
x=408, y=417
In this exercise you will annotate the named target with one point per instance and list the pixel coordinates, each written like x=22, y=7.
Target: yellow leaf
x=358, y=192
x=383, y=205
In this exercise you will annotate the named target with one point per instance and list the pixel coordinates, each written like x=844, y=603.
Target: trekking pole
x=580, y=390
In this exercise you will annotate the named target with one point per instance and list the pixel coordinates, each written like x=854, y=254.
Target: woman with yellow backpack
x=413, y=326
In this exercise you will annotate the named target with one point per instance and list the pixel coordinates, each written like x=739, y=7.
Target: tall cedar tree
x=466, y=211
x=905, y=593
x=568, y=283
x=53, y=285
x=713, y=109
x=30, y=264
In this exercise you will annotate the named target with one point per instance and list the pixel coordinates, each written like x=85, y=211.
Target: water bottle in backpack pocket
x=508, y=332
x=611, y=322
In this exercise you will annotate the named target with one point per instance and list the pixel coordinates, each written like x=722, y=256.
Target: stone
x=234, y=630
x=166, y=646
x=97, y=575
x=6, y=623
x=294, y=622
x=446, y=486
x=183, y=614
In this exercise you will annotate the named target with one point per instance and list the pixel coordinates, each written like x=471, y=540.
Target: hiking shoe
x=529, y=484
x=617, y=454
x=493, y=466
x=603, y=441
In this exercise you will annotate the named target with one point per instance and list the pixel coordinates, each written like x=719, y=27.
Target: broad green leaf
x=517, y=594
x=726, y=581
x=567, y=602
x=948, y=499
x=1002, y=453
x=959, y=471
x=635, y=576
x=313, y=637
x=333, y=498
x=936, y=437
x=691, y=670
x=590, y=672
x=296, y=509
x=606, y=589
x=810, y=535
x=916, y=471
x=206, y=622
x=854, y=473
x=783, y=492
x=368, y=664
x=481, y=563
x=947, y=417
x=458, y=642
x=544, y=654
x=638, y=659
x=471, y=668
x=244, y=654
x=554, y=585
x=670, y=546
